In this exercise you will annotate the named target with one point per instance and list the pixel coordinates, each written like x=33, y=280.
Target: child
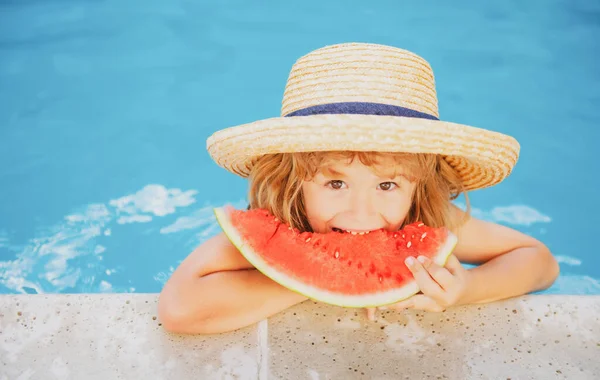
x=359, y=147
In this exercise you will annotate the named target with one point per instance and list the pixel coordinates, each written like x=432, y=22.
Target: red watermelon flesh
x=336, y=268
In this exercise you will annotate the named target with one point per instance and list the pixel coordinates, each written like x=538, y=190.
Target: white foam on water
x=134, y=219
x=519, y=215
x=567, y=260
x=3, y=239
x=13, y=274
x=92, y=213
x=208, y=232
x=153, y=199
x=105, y=286
x=203, y=217
x=162, y=276
x=569, y=284
x=49, y=255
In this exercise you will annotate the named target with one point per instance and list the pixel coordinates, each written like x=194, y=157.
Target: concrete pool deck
x=118, y=336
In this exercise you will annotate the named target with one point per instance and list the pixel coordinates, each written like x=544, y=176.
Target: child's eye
x=386, y=186
x=336, y=184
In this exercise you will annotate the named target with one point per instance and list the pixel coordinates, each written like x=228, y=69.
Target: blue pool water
x=105, y=106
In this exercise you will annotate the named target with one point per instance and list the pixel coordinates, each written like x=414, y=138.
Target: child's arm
x=512, y=263
x=216, y=290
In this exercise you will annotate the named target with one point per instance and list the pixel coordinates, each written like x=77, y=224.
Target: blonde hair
x=276, y=184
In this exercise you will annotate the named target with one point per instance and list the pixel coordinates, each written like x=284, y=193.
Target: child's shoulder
x=480, y=241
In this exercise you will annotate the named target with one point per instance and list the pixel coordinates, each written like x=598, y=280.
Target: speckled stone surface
x=118, y=336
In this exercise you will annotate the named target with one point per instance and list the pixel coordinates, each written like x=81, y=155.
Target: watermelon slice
x=343, y=269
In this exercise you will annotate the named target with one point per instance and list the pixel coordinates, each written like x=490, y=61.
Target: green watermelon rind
x=351, y=301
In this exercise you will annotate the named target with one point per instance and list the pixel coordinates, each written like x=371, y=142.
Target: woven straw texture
x=372, y=73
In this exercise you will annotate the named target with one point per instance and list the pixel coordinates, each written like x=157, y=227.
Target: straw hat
x=366, y=97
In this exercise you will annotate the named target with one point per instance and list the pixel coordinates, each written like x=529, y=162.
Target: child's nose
x=362, y=205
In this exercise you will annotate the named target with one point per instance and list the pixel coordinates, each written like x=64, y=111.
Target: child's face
x=355, y=198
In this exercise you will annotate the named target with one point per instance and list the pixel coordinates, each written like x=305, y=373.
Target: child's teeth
x=357, y=233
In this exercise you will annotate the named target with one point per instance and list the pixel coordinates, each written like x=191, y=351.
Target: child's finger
x=453, y=265
x=405, y=304
x=418, y=302
x=371, y=313
x=441, y=275
x=422, y=302
x=426, y=284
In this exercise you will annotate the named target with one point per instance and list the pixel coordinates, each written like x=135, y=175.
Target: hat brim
x=482, y=158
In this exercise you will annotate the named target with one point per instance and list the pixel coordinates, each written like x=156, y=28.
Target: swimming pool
x=105, y=182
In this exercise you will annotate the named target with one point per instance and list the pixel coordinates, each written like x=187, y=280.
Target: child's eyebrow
x=332, y=173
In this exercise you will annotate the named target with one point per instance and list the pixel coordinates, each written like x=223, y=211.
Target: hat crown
x=361, y=72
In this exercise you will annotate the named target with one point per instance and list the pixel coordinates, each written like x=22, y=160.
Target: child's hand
x=441, y=287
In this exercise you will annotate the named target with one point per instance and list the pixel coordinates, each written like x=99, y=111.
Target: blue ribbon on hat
x=361, y=108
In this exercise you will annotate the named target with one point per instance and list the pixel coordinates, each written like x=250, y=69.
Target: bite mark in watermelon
x=336, y=268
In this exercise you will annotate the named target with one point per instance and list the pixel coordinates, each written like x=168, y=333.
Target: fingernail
x=422, y=259
x=410, y=260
